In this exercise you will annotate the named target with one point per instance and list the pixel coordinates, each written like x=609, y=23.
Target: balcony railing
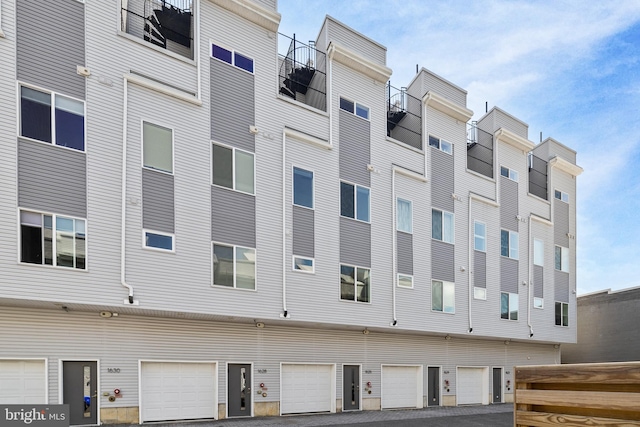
x=302, y=74
x=167, y=24
x=404, y=117
x=538, y=183
x=479, y=150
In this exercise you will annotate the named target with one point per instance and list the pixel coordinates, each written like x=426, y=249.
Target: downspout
x=469, y=270
x=330, y=52
x=123, y=229
x=530, y=278
x=285, y=313
x=394, y=279
x=196, y=53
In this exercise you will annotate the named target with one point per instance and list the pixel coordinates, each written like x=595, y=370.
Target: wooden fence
x=589, y=394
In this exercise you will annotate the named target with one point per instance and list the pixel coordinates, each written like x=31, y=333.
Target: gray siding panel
x=442, y=261
x=441, y=180
x=355, y=242
x=508, y=204
x=538, y=281
x=509, y=275
x=479, y=269
x=158, y=211
x=52, y=179
x=233, y=217
x=50, y=44
x=355, y=141
x=404, y=243
x=232, y=105
x=561, y=280
x=560, y=223
x=303, y=232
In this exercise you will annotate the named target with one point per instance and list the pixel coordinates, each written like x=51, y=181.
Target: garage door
x=178, y=391
x=307, y=388
x=401, y=387
x=472, y=387
x=22, y=381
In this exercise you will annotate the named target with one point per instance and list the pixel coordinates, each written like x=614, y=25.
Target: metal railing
x=538, y=182
x=479, y=150
x=404, y=117
x=302, y=72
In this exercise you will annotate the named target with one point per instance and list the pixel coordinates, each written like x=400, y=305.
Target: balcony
x=167, y=24
x=479, y=150
x=538, y=182
x=302, y=74
x=404, y=117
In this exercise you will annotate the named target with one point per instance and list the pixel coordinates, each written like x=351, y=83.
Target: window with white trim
x=509, y=244
x=405, y=280
x=302, y=188
x=479, y=236
x=440, y=144
x=562, y=314
x=479, y=293
x=303, y=264
x=442, y=226
x=54, y=240
x=538, y=252
x=354, y=108
x=355, y=283
x=232, y=57
x=157, y=147
x=508, y=306
x=509, y=173
x=443, y=296
x=158, y=240
x=538, y=302
x=355, y=201
x=50, y=117
x=562, y=259
x=404, y=215
x=234, y=266
x=232, y=168
x=561, y=195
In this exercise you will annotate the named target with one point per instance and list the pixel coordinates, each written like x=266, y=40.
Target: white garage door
x=471, y=386
x=178, y=391
x=401, y=387
x=306, y=388
x=22, y=381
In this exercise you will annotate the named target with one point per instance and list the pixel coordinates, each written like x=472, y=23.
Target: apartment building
x=202, y=218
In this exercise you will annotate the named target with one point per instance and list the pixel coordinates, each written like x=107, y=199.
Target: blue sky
x=570, y=69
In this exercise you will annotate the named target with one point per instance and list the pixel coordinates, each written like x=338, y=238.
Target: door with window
x=239, y=390
x=80, y=391
x=351, y=388
x=497, y=385
x=433, y=388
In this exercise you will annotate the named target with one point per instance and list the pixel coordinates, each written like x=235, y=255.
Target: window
x=561, y=195
x=479, y=236
x=562, y=259
x=509, y=244
x=52, y=240
x=442, y=226
x=538, y=252
x=354, y=108
x=509, y=173
x=234, y=266
x=354, y=283
x=52, y=118
x=156, y=240
x=303, y=264
x=538, y=302
x=157, y=147
x=440, y=144
x=508, y=306
x=302, y=188
x=562, y=314
x=354, y=201
x=479, y=293
x=232, y=57
x=404, y=216
x=443, y=296
x=405, y=281
x=233, y=168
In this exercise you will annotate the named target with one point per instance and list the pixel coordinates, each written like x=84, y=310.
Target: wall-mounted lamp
x=366, y=331
x=556, y=346
x=507, y=342
x=447, y=337
x=259, y=325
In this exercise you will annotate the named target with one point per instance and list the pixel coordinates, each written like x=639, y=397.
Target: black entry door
x=434, y=386
x=351, y=388
x=497, y=385
x=239, y=390
x=80, y=391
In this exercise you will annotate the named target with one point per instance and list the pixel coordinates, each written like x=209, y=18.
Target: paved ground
x=465, y=416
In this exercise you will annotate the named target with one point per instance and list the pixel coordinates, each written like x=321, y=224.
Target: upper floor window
x=233, y=168
x=232, y=57
x=302, y=187
x=157, y=240
x=440, y=144
x=562, y=314
x=404, y=216
x=443, y=296
x=303, y=264
x=561, y=195
x=509, y=244
x=479, y=293
x=479, y=236
x=538, y=302
x=157, y=147
x=354, y=201
x=52, y=240
x=52, y=118
x=538, y=252
x=509, y=173
x=442, y=226
x=562, y=259
x=405, y=280
x=354, y=108
x=508, y=306
x=355, y=283
x=234, y=266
